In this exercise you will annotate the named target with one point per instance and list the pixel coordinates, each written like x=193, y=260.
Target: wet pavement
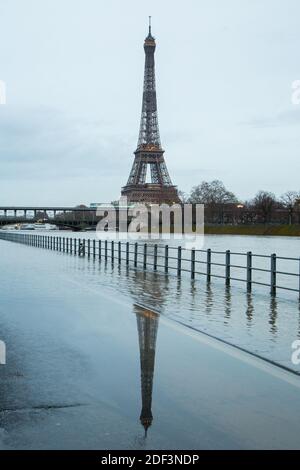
x=89, y=369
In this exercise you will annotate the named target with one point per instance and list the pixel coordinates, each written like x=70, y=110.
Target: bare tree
x=215, y=197
x=212, y=193
x=290, y=200
x=41, y=215
x=183, y=196
x=264, y=202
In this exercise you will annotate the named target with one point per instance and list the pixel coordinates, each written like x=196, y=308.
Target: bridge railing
x=270, y=271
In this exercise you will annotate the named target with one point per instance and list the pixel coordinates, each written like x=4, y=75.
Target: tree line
x=222, y=205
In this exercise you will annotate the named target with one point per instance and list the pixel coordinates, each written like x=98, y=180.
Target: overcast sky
x=74, y=71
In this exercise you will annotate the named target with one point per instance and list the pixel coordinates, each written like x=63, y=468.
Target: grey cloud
x=46, y=143
x=289, y=117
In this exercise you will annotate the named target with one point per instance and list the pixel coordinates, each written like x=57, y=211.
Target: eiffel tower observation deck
x=149, y=152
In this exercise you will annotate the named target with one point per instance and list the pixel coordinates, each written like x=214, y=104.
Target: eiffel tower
x=149, y=151
x=147, y=324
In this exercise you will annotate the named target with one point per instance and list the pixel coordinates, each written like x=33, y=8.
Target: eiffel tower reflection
x=147, y=324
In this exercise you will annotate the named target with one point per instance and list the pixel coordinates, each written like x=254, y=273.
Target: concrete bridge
x=76, y=218
x=62, y=216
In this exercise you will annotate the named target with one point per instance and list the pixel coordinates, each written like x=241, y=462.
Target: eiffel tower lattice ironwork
x=149, y=151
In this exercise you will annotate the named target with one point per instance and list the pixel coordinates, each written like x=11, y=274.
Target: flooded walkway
x=89, y=369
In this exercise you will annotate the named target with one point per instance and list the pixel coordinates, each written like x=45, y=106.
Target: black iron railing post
x=227, y=268
x=119, y=252
x=193, y=257
x=105, y=250
x=273, y=274
x=249, y=271
x=208, y=265
x=112, y=251
x=135, y=254
x=145, y=256
x=299, y=280
x=166, y=259
x=179, y=256
x=155, y=258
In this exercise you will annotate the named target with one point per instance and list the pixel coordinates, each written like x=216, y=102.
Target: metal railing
x=261, y=270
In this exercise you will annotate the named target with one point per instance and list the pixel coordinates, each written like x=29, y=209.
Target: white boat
x=44, y=226
x=10, y=227
x=26, y=227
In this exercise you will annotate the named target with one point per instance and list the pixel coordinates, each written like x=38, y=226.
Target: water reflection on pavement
x=88, y=368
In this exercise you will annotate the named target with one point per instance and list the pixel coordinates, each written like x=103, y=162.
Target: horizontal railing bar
x=218, y=276
x=288, y=274
x=238, y=266
x=261, y=270
x=217, y=252
x=261, y=283
x=238, y=279
x=160, y=265
x=287, y=288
